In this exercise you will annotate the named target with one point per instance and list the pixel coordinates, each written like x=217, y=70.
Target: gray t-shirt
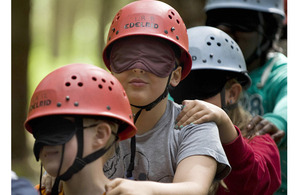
x=160, y=150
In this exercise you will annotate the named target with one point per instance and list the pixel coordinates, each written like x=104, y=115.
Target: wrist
x=227, y=131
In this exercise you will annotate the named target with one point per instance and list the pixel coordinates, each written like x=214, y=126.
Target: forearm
x=257, y=162
x=227, y=131
x=185, y=188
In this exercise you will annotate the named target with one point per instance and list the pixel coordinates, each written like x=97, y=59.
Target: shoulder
x=201, y=132
x=279, y=60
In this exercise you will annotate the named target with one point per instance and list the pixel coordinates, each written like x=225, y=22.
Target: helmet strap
x=226, y=107
x=136, y=116
x=80, y=162
x=263, y=46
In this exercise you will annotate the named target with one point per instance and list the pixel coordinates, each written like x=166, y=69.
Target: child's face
x=143, y=65
x=141, y=87
x=51, y=156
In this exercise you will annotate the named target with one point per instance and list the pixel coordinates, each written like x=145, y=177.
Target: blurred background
x=46, y=34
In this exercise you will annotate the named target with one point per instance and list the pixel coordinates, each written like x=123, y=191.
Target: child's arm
x=197, y=111
x=194, y=175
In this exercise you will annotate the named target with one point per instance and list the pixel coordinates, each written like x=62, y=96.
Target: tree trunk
x=20, y=49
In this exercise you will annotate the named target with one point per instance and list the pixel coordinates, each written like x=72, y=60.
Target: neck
x=148, y=119
x=90, y=180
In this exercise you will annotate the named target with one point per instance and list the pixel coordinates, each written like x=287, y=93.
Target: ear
x=233, y=93
x=176, y=76
x=102, y=135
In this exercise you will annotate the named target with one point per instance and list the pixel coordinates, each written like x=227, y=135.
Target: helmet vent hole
x=68, y=84
x=100, y=86
x=109, y=88
x=80, y=84
x=208, y=43
x=170, y=16
x=219, y=61
x=219, y=44
x=74, y=77
x=231, y=47
x=172, y=13
x=212, y=38
x=204, y=61
x=226, y=40
x=112, y=82
x=94, y=78
x=240, y=66
x=178, y=22
x=103, y=80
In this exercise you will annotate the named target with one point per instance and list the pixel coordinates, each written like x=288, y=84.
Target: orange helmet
x=82, y=89
x=153, y=18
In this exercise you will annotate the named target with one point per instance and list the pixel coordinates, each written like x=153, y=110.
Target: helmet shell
x=269, y=6
x=213, y=49
x=152, y=18
x=85, y=90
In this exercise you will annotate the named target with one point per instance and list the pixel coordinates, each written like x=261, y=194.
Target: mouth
x=138, y=82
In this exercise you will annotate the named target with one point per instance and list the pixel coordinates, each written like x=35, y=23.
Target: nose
x=137, y=70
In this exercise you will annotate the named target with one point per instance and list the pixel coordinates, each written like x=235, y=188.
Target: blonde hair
x=238, y=115
x=241, y=118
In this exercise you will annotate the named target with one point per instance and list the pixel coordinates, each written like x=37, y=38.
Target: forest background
x=47, y=34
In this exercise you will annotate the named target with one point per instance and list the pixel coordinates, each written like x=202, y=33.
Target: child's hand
x=125, y=186
x=261, y=126
x=197, y=112
x=48, y=182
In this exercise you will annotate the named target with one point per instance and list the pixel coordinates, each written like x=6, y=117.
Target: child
x=147, y=50
x=256, y=27
x=77, y=114
x=218, y=76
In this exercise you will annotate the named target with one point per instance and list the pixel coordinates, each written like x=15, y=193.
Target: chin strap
x=136, y=116
x=227, y=107
x=263, y=46
x=79, y=162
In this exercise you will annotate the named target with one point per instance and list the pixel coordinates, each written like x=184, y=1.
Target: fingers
x=277, y=137
x=48, y=182
x=111, y=187
x=252, y=124
x=190, y=113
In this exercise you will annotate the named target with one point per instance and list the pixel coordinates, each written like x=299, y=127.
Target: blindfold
x=51, y=131
x=141, y=52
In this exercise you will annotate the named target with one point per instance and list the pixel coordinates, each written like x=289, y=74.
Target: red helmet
x=153, y=18
x=82, y=89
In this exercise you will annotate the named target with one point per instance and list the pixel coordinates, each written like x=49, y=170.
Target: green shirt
x=267, y=96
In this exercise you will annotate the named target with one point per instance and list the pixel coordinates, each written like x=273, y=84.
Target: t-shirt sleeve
x=203, y=139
